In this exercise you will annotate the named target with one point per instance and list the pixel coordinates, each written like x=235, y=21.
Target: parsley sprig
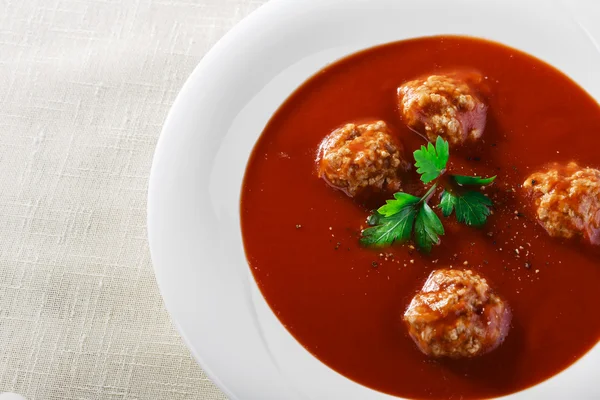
x=431, y=161
x=409, y=217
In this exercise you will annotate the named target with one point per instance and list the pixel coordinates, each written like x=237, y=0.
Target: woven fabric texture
x=84, y=88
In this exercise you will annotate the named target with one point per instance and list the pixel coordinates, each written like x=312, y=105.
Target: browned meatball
x=442, y=106
x=567, y=201
x=456, y=314
x=357, y=157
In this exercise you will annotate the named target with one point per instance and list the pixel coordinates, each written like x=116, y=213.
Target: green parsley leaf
x=447, y=203
x=400, y=201
x=431, y=161
x=387, y=230
x=472, y=208
x=374, y=219
x=473, y=180
x=428, y=227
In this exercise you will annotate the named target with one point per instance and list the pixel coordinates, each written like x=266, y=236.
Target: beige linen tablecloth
x=84, y=88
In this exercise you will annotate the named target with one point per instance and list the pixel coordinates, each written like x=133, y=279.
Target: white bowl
x=194, y=194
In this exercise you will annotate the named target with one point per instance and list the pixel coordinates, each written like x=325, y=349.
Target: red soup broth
x=344, y=303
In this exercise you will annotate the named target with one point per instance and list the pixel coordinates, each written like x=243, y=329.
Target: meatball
x=567, y=201
x=456, y=314
x=442, y=106
x=358, y=157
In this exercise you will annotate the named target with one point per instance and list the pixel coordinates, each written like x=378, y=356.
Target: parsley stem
x=427, y=195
